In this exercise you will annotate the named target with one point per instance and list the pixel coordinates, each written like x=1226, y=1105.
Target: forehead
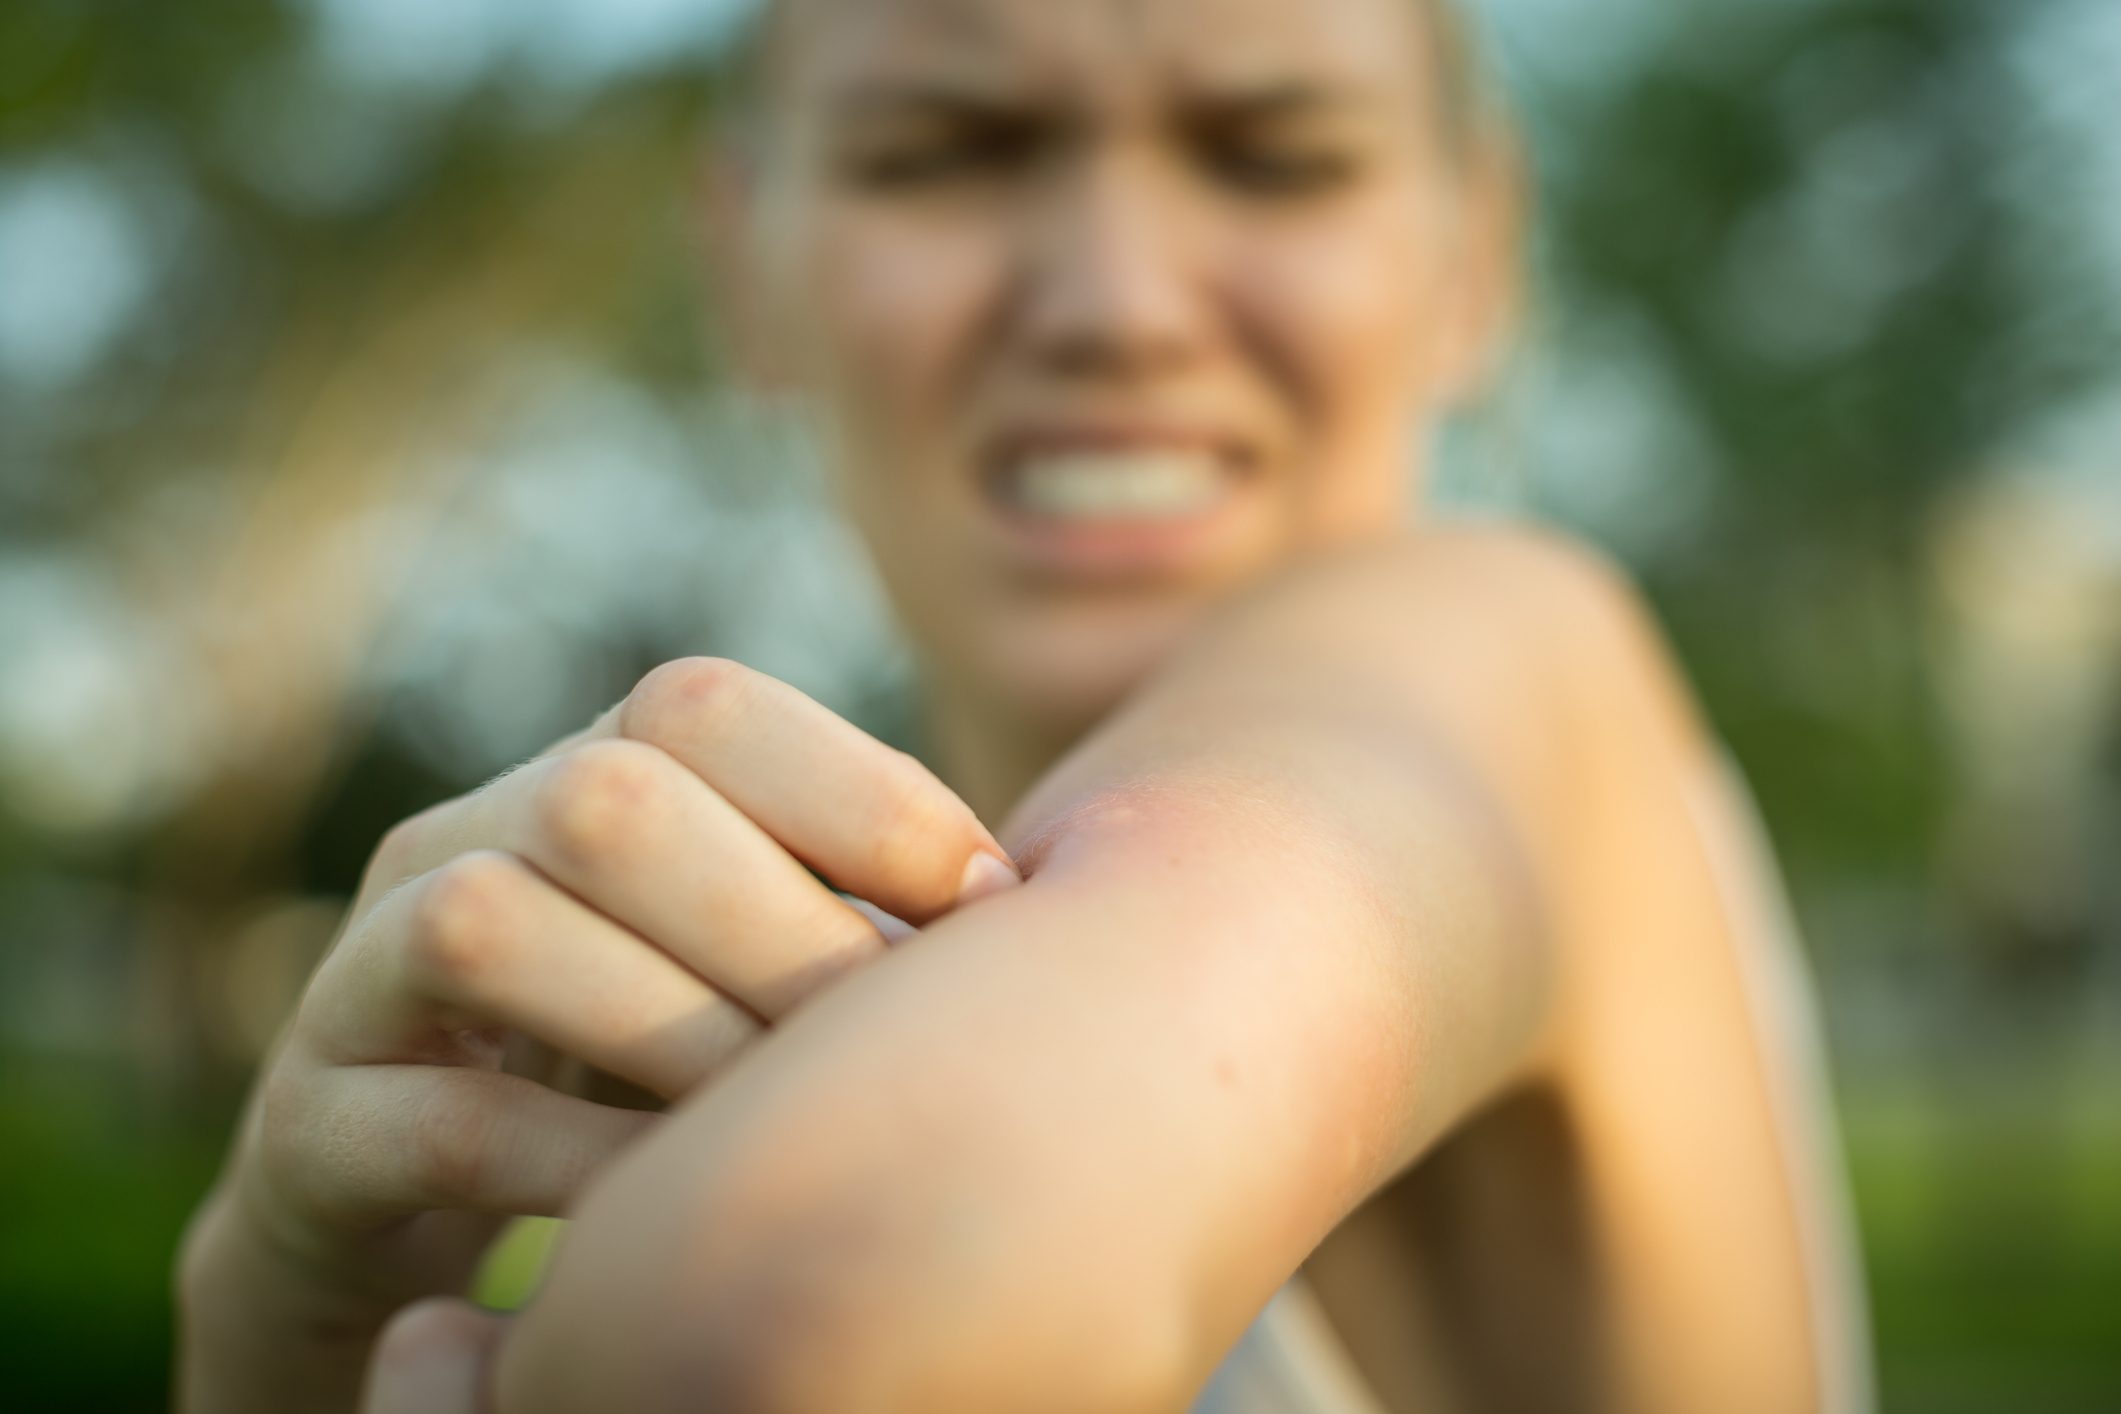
x=1033, y=46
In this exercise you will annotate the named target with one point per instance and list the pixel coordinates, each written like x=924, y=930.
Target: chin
x=1061, y=668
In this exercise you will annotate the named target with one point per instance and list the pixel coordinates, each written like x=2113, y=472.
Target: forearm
x=1057, y=1150
x=1060, y=1148
x=929, y=1181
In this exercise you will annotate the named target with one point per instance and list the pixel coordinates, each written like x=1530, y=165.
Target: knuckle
x=284, y=1110
x=594, y=799
x=399, y=843
x=297, y=1146
x=451, y=1144
x=459, y=924
x=397, y=852
x=685, y=697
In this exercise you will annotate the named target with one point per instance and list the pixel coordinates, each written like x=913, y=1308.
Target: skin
x=1385, y=913
x=636, y=901
x=976, y=217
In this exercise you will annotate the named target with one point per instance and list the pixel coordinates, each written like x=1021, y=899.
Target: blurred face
x=1113, y=306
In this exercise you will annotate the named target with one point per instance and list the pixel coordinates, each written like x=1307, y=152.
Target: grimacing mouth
x=1113, y=470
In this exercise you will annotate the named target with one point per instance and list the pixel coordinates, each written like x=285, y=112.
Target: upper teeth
x=1103, y=485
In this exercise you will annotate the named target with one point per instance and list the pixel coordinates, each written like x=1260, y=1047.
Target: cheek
x=895, y=308
x=1348, y=312
x=892, y=313
x=1347, y=307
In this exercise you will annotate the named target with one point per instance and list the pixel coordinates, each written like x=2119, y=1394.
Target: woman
x=1369, y=899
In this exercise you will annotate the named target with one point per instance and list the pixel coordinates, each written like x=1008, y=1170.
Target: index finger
x=872, y=820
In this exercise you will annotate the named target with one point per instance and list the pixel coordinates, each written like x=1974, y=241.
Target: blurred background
x=359, y=434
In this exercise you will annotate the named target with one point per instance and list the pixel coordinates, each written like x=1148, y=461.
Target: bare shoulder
x=1521, y=561
x=1528, y=655
x=1681, y=1080
x=1510, y=597
x=1561, y=599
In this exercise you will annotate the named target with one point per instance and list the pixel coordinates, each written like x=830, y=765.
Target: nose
x=1111, y=287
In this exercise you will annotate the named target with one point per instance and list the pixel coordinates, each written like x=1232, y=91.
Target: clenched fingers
x=485, y=941
x=871, y=819
x=633, y=834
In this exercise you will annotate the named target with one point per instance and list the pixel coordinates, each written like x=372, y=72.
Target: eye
x=942, y=154
x=1279, y=167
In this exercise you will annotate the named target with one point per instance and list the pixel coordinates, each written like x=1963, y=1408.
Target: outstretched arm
x=1283, y=927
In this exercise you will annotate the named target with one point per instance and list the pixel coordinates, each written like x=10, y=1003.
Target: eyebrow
x=1264, y=102
x=883, y=97
x=1253, y=102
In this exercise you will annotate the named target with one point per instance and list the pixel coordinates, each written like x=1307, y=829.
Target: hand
x=636, y=898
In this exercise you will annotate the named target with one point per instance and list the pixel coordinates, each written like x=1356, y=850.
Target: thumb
x=433, y=1358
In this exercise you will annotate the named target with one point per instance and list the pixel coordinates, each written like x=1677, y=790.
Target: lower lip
x=1119, y=549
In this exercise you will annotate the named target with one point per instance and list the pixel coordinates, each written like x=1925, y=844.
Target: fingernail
x=985, y=874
